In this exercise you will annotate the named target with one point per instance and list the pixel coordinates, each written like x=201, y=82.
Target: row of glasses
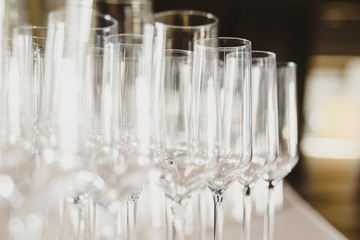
x=264, y=117
x=94, y=118
x=68, y=110
x=69, y=134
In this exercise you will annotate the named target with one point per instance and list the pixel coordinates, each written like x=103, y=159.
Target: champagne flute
x=287, y=156
x=228, y=61
x=22, y=71
x=186, y=132
x=264, y=127
x=132, y=17
x=6, y=192
x=178, y=30
x=65, y=140
x=126, y=90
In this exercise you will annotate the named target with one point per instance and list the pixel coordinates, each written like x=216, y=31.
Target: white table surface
x=296, y=220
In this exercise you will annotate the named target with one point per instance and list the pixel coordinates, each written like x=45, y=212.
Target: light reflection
x=332, y=108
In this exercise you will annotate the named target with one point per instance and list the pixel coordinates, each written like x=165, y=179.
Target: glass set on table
x=90, y=112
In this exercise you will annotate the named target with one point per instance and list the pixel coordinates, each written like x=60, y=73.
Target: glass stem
x=92, y=218
x=131, y=218
x=119, y=227
x=75, y=218
x=269, y=212
x=218, y=215
x=246, y=223
x=178, y=210
x=168, y=222
x=202, y=214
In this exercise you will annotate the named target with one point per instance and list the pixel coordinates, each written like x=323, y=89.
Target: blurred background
x=323, y=38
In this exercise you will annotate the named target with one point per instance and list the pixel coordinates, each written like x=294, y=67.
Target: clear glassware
x=22, y=72
x=67, y=116
x=6, y=52
x=132, y=15
x=178, y=30
x=5, y=180
x=126, y=96
x=264, y=127
x=186, y=134
x=227, y=61
x=287, y=156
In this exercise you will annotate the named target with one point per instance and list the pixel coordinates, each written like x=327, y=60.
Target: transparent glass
x=126, y=96
x=178, y=30
x=287, y=156
x=228, y=62
x=264, y=118
x=68, y=119
x=59, y=47
x=21, y=75
x=186, y=132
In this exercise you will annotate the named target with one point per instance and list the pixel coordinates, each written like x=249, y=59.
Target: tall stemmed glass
x=5, y=195
x=22, y=71
x=264, y=127
x=186, y=133
x=126, y=96
x=228, y=61
x=287, y=156
x=178, y=30
x=65, y=136
x=126, y=54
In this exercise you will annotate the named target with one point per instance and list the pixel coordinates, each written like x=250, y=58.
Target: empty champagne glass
x=22, y=72
x=5, y=180
x=126, y=97
x=186, y=133
x=228, y=62
x=178, y=30
x=287, y=156
x=66, y=139
x=264, y=127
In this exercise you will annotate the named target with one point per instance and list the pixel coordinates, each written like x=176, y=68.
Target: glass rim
x=245, y=43
x=175, y=50
x=285, y=64
x=28, y=27
x=188, y=12
x=95, y=51
x=58, y=13
x=124, y=35
x=264, y=54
